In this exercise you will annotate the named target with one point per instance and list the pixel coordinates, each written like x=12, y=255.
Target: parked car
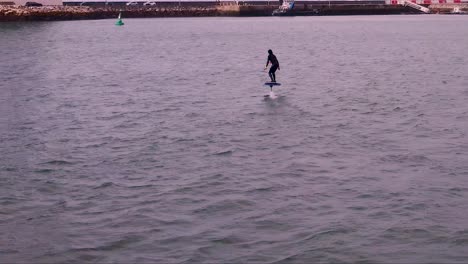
x=149, y=3
x=132, y=3
x=33, y=4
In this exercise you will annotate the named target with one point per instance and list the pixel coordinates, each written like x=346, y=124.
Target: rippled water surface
x=152, y=142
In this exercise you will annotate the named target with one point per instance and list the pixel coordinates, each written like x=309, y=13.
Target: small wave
x=263, y=189
x=114, y=245
x=400, y=233
x=43, y=95
x=8, y=201
x=365, y=196
x=416, y=207
x=97, y=145
x=357, y=208
x=223, y=153
x=44, y=171
x=104, y=185
x=228, y=240
x=56, y=162
x=458, y=189
x=141, y=186
x=127, y=125
x=192, y=115
x=225, y=206
x=184, y=139
x=68, y=105
x=461, y=238
x=405, y=158
x=303, y=237
x=111, y=117
x=8, y=251
x=461, y=242
x=10, y=169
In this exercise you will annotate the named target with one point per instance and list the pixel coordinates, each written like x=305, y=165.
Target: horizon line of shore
x=54, y=13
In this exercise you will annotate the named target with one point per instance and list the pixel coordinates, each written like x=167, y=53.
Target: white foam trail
x=272, y=95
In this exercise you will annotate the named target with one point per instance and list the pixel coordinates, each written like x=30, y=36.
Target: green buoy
x=119, y=21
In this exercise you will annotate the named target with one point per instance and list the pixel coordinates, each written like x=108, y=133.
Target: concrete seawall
x=448, y=8
x=316, y=9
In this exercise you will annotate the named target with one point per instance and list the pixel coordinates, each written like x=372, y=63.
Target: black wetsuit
x=274, y=66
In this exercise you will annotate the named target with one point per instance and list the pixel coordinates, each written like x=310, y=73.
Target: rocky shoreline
x=51, y=13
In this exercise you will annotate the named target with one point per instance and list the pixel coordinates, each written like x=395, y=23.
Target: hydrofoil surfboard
x=271, y=84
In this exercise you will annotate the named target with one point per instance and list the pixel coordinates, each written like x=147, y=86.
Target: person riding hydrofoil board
x=274, y=65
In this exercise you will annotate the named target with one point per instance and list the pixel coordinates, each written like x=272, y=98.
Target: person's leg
x=270, y=73
x=273, y=70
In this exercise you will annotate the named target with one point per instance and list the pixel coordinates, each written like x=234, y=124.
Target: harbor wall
x=50, y=13
x=317, y=9
x=448, y=8
x=47, y=13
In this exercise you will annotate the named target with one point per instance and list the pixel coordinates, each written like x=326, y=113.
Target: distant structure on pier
x=250, y=2
x=167, y=3
x=23, y=2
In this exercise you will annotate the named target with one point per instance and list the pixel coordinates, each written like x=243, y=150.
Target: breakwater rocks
x=49, y=13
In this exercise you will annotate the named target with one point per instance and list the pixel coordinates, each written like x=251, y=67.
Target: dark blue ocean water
x=152, y=142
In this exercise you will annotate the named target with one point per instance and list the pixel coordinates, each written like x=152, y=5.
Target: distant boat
x=283, y=9
x=119, y=21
